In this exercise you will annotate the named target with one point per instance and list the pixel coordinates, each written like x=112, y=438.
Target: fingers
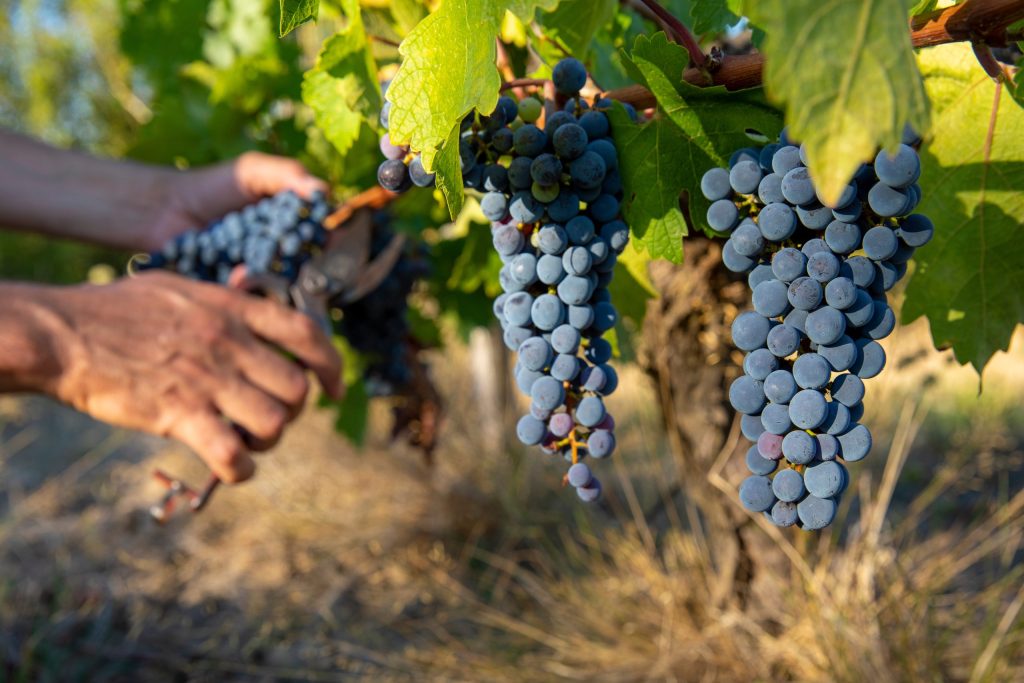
x=262, y=174
x=298, y=334
x=217, y=443
x=251, y=409
x=270, y=372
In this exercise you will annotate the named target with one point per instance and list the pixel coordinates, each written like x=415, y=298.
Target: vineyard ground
x=336, y=562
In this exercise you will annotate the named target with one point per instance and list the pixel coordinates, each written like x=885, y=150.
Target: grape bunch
x=550, y=185
x=275, y=235
x=819, y=275
x=278, y=235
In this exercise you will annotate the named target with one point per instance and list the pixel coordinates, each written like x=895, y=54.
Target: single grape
x=535, y=353
x=547, y=312
x=880, y=243
x=887, y=201
x=735, y=262
x=576, y=260
x=799, y=447
x=870, y=359
x=900, y=169
x=588, y=494
x=745, y=177
x=775, y=418
x=547, y=393
x=797, y=186
x=915, y=230
x=859, y=269
x=579, y=475
x=756, y=493
x=582, y=317
x=804, y=294
x=841, y=293
x=580, y=230
x=769, y=190
x=514, y=336
x=747, y=239
x=770, y=300
x=758, y=274
x=565, y=206
x=824, y=479
x=811, y=371
x=837, y=419
x=822, y=266
x=814, y=216
x=847, y=389
x=750, y=331
x=758, y=464
x=569, y=76
x=746, y=395
x=779, y=386
x=595, y=123
x=751, y=426
x=389, y=150
x=565, y=367
x=825, y=325
x=882, y=322
x=573, y=290
x=517, y=308
x=828, y=447
x=565, y=339
x=777, y=222
x=788, y=264
x=784, y=340
x=842, y=238
x=816, y=513
x=808, y=409
x=590, y=411
x=519, y=177
x=714, y=184
x=770, y=445
x=604, y=209
x=588, y=170
x=560, y=425
x=605, y=316
x=785, y=160
x=606, y=150
x=861, y=311
x=530, y=430
x=507, y=240
x=784, y=514
x=529, y=109
x=759, y=363
x=601, y=443
x=524, y=208
x=549, y=269
x=788, y=486
x=722, y=215
x=393, y=176
x=552, y=239
x=855, y=444
x=494, y=206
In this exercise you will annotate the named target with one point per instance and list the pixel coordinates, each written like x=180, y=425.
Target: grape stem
x=679, y=31
x=971, y=20
x=992, y=66
x=523, y=83
x=375, y=198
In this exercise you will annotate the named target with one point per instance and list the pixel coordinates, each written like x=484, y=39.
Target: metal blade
x=373, y=273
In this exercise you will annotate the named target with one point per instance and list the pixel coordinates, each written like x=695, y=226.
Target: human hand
x=194, y=198
x=184, y=359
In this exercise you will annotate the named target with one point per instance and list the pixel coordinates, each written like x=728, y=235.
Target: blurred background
x=341, y=561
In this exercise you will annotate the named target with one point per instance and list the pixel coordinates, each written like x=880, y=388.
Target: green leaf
x=631, y=287
x=447, y=71
x=575, y=22
x=698, y=128
x=294, y=13
x=968, y=281
x=712, y=16
x=351, y=412
x=846, y=74
x=342, y=88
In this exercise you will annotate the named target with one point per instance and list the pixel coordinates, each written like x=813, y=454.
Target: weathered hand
x=188, y=360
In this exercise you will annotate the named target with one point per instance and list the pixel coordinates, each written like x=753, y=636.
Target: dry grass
x=337, y=564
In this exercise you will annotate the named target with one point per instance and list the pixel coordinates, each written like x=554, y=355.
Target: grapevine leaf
x=699, y=128
x=1016, y=87
x=712, y=16
x=294, y=13
x=843, y=98
x=632, y=287
x=968, y=281
x=342, y=88
x=574, y=23
x=447, y=71
x=652, y=181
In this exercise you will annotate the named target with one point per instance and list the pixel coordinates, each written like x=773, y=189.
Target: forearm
x=30, y=329
x=57, y=192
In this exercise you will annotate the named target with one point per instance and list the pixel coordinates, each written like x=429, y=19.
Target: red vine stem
x=523, y=82
x=680, y=31
x=984, y=20
x=374, y=198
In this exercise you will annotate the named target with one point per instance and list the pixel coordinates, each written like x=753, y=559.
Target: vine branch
x=974, y=20
x=680, y=31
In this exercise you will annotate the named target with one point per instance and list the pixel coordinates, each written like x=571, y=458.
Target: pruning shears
x=343, y=272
